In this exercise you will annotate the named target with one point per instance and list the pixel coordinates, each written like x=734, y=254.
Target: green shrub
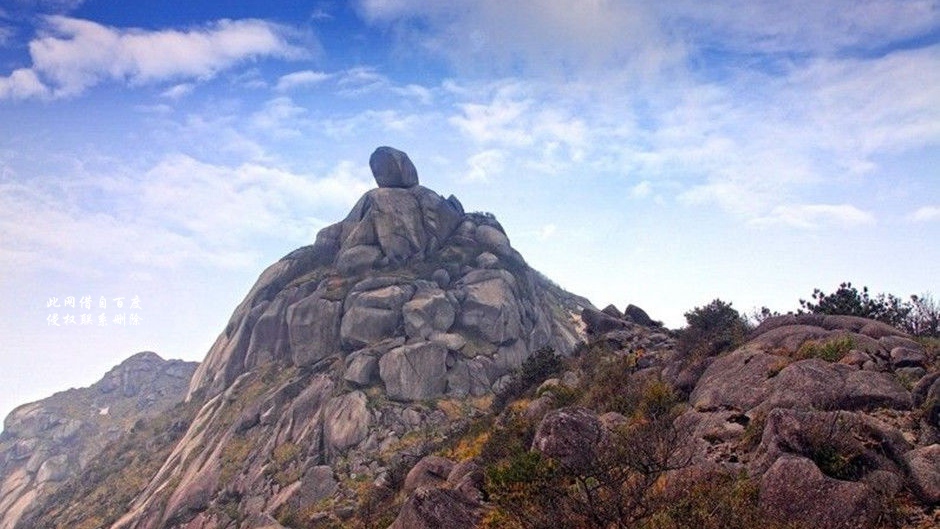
x=543, y=364
x=716, y=500
x=830, y=350
x=711, y=329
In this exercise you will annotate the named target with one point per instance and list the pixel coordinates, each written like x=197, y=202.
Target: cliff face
x=334, y=367
x=46, y=442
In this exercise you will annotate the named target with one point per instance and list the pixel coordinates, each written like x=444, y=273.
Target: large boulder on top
x=392, y=168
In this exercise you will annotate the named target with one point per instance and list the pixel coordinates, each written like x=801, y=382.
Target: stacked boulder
x=333, y=360
x=409, y=291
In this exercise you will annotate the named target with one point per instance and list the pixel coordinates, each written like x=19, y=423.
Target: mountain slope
x=350, y=355
x=46, y=442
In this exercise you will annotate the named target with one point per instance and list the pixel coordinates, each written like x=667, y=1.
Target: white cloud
x=361, y=80
x=772, y=26
x=279, y=117
x=501, y=35
x=547, y=232
x=641, y=190
x=497, y=121
x=484, y=164
x=925, y=214
x=22, y=84
x=178, y=91
x=810, y=216
x=301, y=78
x=418, y=92
x=71, y=55
x=182, y=211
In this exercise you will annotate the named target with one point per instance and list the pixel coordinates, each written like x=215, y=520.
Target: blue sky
x=655, y=153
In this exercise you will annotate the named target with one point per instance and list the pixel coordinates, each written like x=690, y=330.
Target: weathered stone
x=345, y=421
x=491, y=310
x=441, y=277
x=906, y=357
x=640, y=317
x=793, y=489
x=569, y=435
x=357, y=259
x=53, y=469
x=392, y=168
x=427, y=313
x=492, y=239
x=373, y=316
x=599, y=323
x=487, y=260
x=468, y=377
x=736, y=381
x=399, y=223
x=869, y=390
x=313, y=329
x=452, y=341
x=809, y=384
x=430, y=471
x=362, y=368
x=414, y=372
x=923, y=465
x=867, y=443
x=435, y=508
x=467, y=478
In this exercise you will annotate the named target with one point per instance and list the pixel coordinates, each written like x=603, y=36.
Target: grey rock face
x=436, y=508
x=430, y=471
x=392, y=168
x=409, y=298
x=414, y=372
x=345, y=421
x=569, y=435
x=794, y=489
x=924, y=468
x=373, y=315
x=313, y=327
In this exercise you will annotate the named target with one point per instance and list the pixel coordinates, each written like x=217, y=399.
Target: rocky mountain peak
x=46, y=442
x=339, y=352
x=407, y=274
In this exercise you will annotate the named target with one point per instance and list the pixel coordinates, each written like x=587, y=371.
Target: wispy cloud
x=925, y=214
x=811, y=216
x=499, y=36
x=280, y=117
x=804, y=26
x=547, y=232
x=181, y=211
x=178, y=91
x=302, y=78
x=484, y=164
x=70, y=55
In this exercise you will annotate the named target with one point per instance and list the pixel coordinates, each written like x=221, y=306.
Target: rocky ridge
x=45, y=443
x=833, y=420
x=349, y=356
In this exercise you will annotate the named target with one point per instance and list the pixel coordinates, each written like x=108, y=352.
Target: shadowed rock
x=392, y=168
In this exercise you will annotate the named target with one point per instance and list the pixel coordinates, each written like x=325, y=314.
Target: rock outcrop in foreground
x=334, y=367
x=45, y=443
x=831, y=421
